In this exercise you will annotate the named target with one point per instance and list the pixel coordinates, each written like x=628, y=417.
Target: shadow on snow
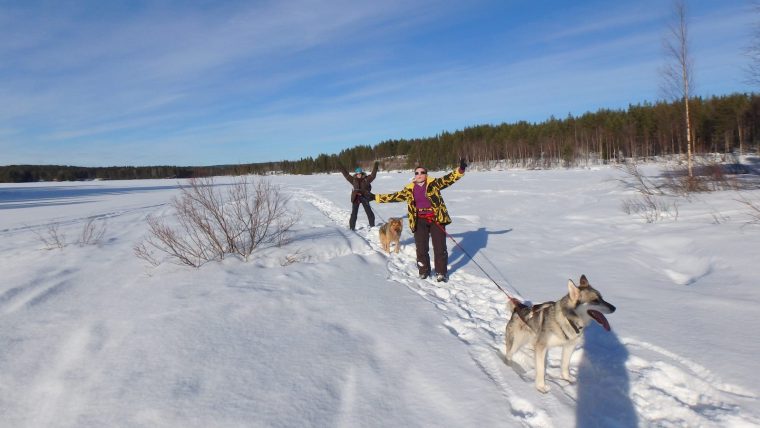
x=472, y=242
x=603, y=383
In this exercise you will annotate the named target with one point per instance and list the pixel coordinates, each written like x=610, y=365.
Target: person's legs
x=440, y=252
x=370, y=214
x=421, y=241
x=354, y=214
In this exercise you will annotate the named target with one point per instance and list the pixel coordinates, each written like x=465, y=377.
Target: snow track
x=81, y=220
x=627, y=375
x=34, y=292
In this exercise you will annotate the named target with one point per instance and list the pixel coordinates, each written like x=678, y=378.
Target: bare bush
x=651, y=208
x=53, y=237
x=639, y=181
x=212, y=224
x=259, y=216
x=92, y=232
x=651, y=203
x=753, y=209
x=141, y=251
x=709, y=175
x=678, y=182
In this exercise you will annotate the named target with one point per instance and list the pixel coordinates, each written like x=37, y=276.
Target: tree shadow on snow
x=603, y=384
x=472, y=242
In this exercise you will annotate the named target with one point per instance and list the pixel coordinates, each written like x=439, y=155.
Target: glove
x=462, y=164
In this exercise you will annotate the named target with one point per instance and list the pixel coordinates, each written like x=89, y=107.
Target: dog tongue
x=600, y=318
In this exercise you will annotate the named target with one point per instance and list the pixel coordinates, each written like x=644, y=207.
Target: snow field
x=331, y=331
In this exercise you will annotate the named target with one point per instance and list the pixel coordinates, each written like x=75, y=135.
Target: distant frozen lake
x=28, y=195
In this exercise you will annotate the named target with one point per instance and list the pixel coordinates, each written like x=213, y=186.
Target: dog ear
x=573, y=291
x=584, y=281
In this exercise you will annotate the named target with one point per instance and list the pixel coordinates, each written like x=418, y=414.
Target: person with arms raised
x=428, y=216
x=361, y=185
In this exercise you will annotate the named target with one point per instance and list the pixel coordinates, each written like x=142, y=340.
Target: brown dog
x=391, y=232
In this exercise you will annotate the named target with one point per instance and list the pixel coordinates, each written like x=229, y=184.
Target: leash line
x=519, y=306
x=511, y=297
x=515, y=301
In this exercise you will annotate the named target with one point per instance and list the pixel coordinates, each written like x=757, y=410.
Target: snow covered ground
x=330, y=331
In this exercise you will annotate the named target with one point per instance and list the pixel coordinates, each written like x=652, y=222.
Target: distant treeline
x=722, y=124
x=27, y=173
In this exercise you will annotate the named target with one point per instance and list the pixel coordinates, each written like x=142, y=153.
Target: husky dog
x=553, y=324
x=391, y=232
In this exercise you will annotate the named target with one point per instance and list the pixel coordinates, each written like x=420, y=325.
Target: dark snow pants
x=355, y=212
x=425, y=231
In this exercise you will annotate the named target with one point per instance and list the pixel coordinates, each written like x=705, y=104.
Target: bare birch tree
x=753, y=50
x=677, y=73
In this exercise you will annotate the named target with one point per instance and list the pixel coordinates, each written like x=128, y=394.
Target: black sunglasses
x=420, y=172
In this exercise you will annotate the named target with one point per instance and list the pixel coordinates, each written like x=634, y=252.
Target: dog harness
x=526, y=313
x=573, y=325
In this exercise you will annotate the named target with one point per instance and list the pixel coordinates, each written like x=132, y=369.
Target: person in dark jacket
x=428, y=216
x=362, y=185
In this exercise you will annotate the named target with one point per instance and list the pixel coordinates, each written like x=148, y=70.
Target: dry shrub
x=142, y=251
x=211, y=223
x=651, y=208
x=92, y=233
x=53, y=237
x=752, y=208
x=639, y=181
x=652, y=202
x=709, y=175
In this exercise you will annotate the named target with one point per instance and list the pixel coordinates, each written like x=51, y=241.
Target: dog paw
x=543, y=388
x=570, y=378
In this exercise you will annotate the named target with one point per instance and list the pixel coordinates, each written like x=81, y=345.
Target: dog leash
x=519, y=306
x=515, y=301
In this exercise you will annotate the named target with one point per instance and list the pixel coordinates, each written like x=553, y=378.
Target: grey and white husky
x=559, y=323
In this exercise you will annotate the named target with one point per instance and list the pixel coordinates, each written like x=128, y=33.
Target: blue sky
x=98, y=83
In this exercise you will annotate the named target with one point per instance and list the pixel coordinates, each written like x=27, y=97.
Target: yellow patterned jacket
x=434, y=187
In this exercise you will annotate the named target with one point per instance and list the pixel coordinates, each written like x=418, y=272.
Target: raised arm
x=448, y=179
x=344, y=172
x=374, y=172
x=400, y=196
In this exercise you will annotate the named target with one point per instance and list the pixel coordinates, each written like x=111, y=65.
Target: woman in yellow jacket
x=428, y=216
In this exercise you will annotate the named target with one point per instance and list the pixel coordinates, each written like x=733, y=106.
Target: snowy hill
x=330, y=331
